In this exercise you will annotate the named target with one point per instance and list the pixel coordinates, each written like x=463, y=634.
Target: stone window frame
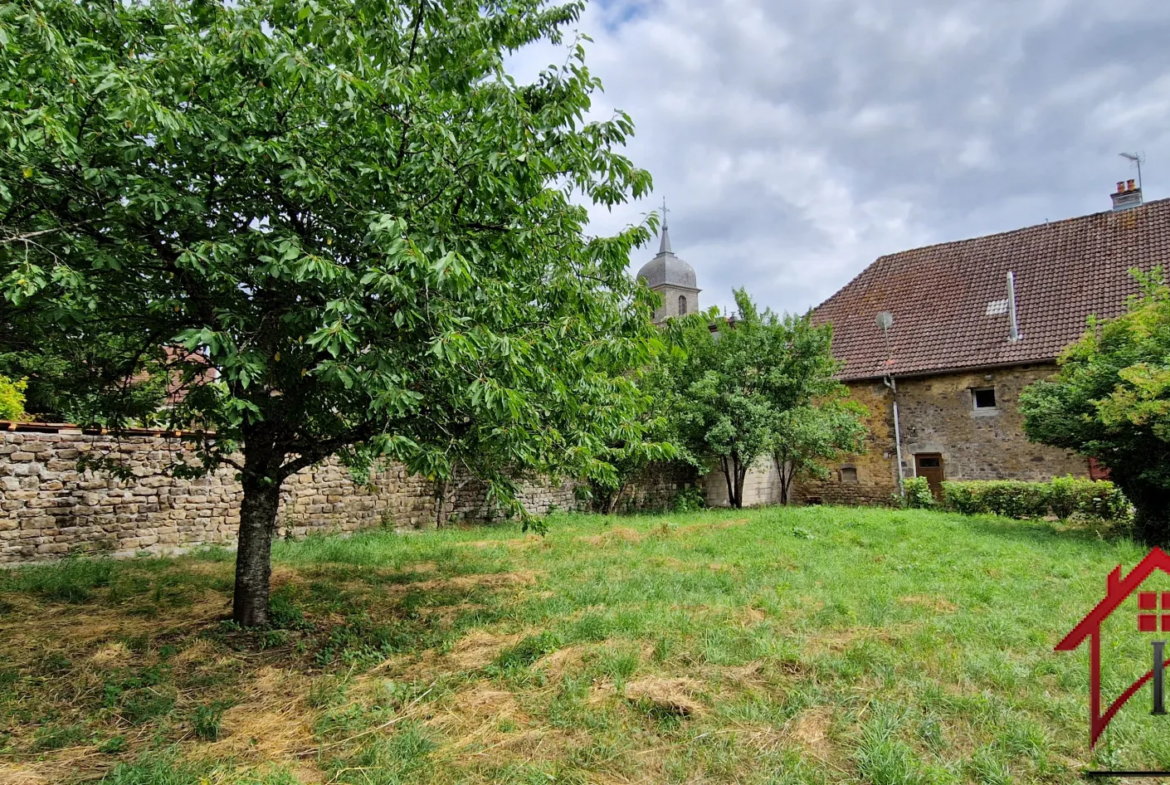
x=842, y=474
x=682, y=305
x=984, y=411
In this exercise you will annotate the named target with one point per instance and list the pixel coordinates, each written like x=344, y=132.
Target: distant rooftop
x=949, y=301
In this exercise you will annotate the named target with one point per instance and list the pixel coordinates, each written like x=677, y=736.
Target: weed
x=54, y=737
x=326, y=691
x=208, y=720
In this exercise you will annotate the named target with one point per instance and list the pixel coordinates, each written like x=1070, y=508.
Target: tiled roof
x=943, y=298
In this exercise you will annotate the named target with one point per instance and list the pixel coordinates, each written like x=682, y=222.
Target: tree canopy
x=1111, y=401
x=760, y=385
x=334, y=227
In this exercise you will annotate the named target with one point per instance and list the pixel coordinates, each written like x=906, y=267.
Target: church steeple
x=671, y=277
x=664, y=245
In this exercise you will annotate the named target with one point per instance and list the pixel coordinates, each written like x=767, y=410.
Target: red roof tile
x=939, y=295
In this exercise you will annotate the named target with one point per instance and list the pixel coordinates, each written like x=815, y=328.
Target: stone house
x=938, y=343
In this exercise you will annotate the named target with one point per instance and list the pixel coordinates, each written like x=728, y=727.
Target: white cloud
x=796, y=142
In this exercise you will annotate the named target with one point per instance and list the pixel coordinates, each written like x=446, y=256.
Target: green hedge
x=1064, y=497
x=917, y=493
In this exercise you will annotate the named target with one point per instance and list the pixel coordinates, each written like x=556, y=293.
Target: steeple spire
x=664, y=246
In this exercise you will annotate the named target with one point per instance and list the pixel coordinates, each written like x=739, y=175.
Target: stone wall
x=657, y=487
x=937, y=415
x=48, y=509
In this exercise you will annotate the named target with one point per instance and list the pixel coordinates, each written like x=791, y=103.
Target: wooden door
x=930, y=466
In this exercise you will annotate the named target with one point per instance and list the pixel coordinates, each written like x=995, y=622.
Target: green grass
x=816, y=645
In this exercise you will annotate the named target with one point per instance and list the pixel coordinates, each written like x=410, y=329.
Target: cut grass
x=776, y=646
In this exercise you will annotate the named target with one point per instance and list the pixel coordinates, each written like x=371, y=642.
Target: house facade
x=939, y=342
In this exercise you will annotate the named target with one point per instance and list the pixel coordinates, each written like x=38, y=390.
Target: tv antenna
x=1137, y=159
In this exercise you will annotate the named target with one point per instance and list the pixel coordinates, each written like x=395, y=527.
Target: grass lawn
x=816, y=645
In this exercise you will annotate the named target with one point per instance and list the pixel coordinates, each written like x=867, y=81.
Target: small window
x=985, y=399
x=682, y=305
x=849, y=475
x=929, y=463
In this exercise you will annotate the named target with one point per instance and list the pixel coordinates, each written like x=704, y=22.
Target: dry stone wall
x=49, y=509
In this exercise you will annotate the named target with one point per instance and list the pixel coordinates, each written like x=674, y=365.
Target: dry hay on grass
x=558, y=662
x=271, y=723
x=750, y=675
x=490, y=580
x=485, y=725
x=618, y=535
x=83, y=626
x=751, y=616
x=810, y=730
x=474, y=651
x=673, y=696
x=713, y=527
x=112, y=655
x=478, y=649
x=66, y=765
x=839, y=640
x=469, y=713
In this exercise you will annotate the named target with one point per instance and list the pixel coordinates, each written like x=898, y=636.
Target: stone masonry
x=938, y=416
x=48, y=509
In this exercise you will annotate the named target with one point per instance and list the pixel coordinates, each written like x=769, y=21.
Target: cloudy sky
x=798, y=140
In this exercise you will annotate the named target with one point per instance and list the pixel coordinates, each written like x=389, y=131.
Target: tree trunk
x=254, y=554
x=740, y=480
x=785, y=481
x=732, y=473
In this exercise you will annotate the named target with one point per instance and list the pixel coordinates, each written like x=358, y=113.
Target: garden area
x=814, y=645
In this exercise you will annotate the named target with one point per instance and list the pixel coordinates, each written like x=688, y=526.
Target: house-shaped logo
x=1153, y=616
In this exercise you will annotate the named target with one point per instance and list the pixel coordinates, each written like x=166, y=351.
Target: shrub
x=12, y=398
x=917, y=493
x=690, y=499
x=1064, y=497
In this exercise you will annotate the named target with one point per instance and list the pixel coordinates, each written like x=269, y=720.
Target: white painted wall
x=761, y=487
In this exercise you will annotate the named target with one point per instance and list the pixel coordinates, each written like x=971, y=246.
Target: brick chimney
x=1128, y=196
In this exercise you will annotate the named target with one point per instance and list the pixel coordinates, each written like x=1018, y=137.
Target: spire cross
x=664, y=246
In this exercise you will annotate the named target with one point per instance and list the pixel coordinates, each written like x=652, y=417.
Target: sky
x=796, y=141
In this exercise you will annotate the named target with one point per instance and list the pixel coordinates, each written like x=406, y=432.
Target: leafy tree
x=760, y=385
x=1111, y=401
x=347, y=211
x=12, y=399
x=808, y=436
x=642, y=442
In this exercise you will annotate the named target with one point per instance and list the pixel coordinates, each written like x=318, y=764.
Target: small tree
x=1111, y=401
x=347, y=210
x=650, y=440
x=759, y=385
x=814, y=421
x=807, y=437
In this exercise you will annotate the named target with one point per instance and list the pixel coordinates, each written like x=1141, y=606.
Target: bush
x=12, y=398
x=1064, y=497
x=690, y=499
x=917, y=493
